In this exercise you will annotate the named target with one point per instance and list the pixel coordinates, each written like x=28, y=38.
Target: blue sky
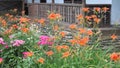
x=99, y=1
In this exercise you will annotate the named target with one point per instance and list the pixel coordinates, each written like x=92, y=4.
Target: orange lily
x=105, y=9
x=114, y=37
x=41, y=21
x=49, y=53
x=15, y=26
x=114, y=56
x=72, y=26
x=62, y=34
x=85, y=9
x=41, y=60
x=88, y=18
x=58, y=48
x=82, y=30
x=83, y=41
x=90, y=32
x=23, y=20
x=52, y=16
x=73, y=41
x=97, y=9
x=4, y=23
x=97, y=20
x=58, y=15
x=93, y=16
x=79, y=17
x=65, y=47
x=25, y=30
x=65, y=54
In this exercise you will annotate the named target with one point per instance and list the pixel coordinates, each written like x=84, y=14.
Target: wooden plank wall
x=6, y=5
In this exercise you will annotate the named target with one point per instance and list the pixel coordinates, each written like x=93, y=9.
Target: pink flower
x=0, y=50
x=45, y=40
x=6, y=46
x=2, y=41
x=18, y=42
x=11, y=36
x=1, y=60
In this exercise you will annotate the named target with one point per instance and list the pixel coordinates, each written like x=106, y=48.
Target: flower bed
x=27, y=43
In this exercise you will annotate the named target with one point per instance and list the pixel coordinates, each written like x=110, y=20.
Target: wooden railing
x=68, y=11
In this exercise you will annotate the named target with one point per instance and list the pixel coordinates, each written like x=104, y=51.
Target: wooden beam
x=83, y=3
x=23, y=8
x=72, y=1
x=53, y=1
x=23, y=5
x=32, y=1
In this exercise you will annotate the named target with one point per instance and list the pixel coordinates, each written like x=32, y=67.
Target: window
x=36, y=1
x=29, y=1
x=78, y=1
x=42, y=1
x=67, y=1
x=73, y=1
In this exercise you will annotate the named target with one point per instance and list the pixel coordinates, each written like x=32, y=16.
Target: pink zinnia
x=45, y=40
x=11, y=36
x=2, y=41
x=18, y=42
x=6, y=46
x=1, y=60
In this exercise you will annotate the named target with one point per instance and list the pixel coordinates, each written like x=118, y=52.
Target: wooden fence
x=68, y=11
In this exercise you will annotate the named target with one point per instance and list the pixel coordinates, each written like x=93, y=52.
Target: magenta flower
x=18, y=42
x=2, y=41
x=1, y=60
x=45, y=40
